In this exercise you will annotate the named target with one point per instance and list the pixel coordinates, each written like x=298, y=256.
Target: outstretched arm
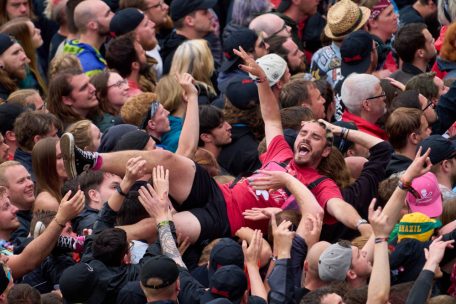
x=38, y=249
x=269, y=105
x=188, y=140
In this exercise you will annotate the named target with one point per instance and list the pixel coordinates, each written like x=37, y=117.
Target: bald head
x=270, y=24
x=313, y=256
x=87, y=11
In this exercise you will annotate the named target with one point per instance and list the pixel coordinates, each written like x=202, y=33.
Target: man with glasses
x=271, y=25
x=364, y=100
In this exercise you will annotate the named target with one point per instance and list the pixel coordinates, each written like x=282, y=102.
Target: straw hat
x=345, y=17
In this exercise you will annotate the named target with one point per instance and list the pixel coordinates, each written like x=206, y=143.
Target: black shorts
x=207, y=203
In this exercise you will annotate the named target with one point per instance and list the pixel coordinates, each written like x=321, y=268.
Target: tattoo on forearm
x=169, y=247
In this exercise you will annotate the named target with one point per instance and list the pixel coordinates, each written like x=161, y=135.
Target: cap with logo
x=429, y=200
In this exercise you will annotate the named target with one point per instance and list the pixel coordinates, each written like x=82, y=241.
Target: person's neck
x=408, y=151
x=357, y=283
x=421, y=64
x=12, y=146
x=154, y=134
x=367, y=116
x=162, y=298
x=92, y=39
x=312, y=283
x=421, y=9
x=134, y=76
x=215, y=150
x=63, y=30
x=72, y=36
x=5, y=235
x=444, y=179
x=381, y=34
x=294, y=13
x=81, y=112
x=181, y=110
x=189, y=33
x=95, y=205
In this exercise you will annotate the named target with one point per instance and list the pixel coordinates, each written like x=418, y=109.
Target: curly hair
x=251, y=117
x=135, y=108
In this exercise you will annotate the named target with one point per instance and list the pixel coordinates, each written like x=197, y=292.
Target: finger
x=284, y=225
x=273, y=221
x=154, y=173
x=167, y=175
x=244, y=246
x=67, y=195
x=371, y=207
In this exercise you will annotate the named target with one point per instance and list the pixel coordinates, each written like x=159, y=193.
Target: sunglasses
x=281, y=29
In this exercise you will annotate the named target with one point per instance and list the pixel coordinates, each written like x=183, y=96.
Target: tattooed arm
x=155, y=201
x=168, y=244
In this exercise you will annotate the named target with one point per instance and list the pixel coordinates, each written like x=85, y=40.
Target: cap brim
x=361, y=67
x=364, y=11
x=433, y=210
x=206, y=4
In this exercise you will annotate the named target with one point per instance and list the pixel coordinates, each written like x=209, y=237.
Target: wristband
x=407, y=186
x=361, y=222
x=162, y=224
x=380, y=240
x=119, y=190
x=273, y=258
x=260, y=80
x=62, y=226
x=346, y=134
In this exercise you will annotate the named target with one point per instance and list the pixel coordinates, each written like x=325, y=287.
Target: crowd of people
x=230, y=151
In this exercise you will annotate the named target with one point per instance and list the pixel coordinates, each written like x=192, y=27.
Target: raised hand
x=283, y=237
x=258, y=214
x=157, y=207
x=136, y=169
x=69, y=208
x=312, y=225
x=379, y=221
x=253, y=250
x=420, y=165
x=187, y=83
x=269, y=180
x=436, y=251
x=250, y=65
x=160, y=178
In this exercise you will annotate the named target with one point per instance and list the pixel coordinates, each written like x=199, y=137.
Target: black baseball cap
x=126, y=20
x=227, y=282
x=159, y=267
x=441, y=148
x=8, y=114
x=225, y=252
x=242, y=92
x=356, y=53
x=6, y=41
x=244, y=37
x=80, y=283
x=181, y=8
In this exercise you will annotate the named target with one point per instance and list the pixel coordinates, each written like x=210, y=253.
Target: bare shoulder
x=45, y=201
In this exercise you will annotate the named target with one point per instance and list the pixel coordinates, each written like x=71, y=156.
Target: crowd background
x=227, y=151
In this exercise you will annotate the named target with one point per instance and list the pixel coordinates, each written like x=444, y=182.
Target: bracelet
x=274, y=258
x=119, y=190
x=163, y=223
x=342, y=132
x=407, y=186
x=346, y=134
x=62, y=226
x=361, y=222
x=379, y=240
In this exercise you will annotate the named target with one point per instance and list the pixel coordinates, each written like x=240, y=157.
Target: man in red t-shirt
x=207, y=210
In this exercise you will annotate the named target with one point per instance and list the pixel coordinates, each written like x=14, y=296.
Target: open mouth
x=303, y=149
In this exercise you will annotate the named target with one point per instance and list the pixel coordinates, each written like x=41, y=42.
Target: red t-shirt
x=242, y=196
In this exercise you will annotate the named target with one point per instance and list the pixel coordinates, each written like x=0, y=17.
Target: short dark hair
x=400, y=124
x=89, y=180
x=24, y=293
x=32, y=123
x=121, y=53
x=406, y=99
x=295, y=92
x=409, y=39
x=424, y=84
x=210, y=118
x=276, y=46
x=110, y=246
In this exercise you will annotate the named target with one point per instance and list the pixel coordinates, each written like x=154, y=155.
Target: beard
x=301, y=68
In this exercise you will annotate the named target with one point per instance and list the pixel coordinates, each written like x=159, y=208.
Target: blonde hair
x=135, y=108
x=3, y=167
x=20, y=96
x=194, y=57
x=169, y=93
x=63, y=62
x=81, y=133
